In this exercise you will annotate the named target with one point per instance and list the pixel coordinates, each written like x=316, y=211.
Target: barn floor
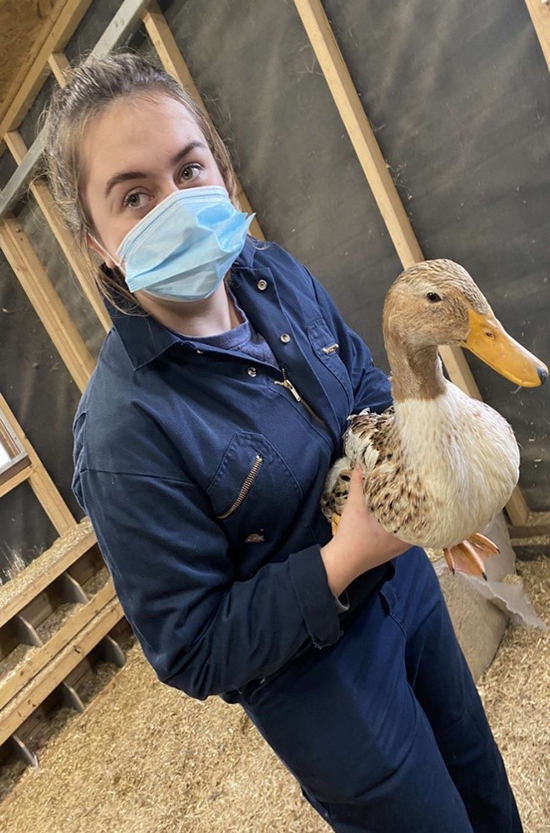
x=146, y=759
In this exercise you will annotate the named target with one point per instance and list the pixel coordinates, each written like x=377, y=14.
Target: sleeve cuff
x=342, y=602
x=315, y=597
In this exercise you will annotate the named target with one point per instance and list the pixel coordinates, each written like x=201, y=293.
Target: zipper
x=286, y=383
x=245, y=488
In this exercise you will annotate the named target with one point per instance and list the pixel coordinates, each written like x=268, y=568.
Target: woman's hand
x=360, y=542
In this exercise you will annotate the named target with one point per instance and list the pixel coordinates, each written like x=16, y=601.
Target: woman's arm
x=201, y=630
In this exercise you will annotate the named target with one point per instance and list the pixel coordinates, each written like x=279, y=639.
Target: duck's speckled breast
x=440, y=469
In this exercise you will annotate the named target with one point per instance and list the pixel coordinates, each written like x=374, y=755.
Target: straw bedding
x=146, y=759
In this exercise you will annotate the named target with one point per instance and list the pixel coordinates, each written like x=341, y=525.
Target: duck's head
x=436, y=302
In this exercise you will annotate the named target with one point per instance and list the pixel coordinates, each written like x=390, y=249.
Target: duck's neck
x=416, y=373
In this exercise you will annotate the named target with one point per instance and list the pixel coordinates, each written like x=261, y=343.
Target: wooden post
x=540, y=15
x=40, y=481
x=31, y=82
x=173, y=62
x=376, y=171
x=45, y=300
x=45, y=202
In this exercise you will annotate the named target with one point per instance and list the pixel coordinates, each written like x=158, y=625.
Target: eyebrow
x=124, y=176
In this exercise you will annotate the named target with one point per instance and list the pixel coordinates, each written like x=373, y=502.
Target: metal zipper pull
x=286, y=383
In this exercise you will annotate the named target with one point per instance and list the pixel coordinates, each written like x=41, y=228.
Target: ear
x=97, y=247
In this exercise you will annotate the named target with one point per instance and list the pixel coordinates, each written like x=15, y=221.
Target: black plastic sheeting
x=40, y=392
x=458, y=95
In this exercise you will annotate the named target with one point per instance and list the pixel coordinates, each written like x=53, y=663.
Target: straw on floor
x=146, y=759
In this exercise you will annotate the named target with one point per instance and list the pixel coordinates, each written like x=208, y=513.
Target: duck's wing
x=364, y=443
x=370, y=438
x=394, y=492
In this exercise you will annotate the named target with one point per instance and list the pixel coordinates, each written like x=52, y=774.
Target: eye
x=489, y=334
x=433, y=297
x=190, y=172
x=134, y=199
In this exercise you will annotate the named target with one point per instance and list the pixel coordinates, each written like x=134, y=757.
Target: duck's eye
x=433, y=297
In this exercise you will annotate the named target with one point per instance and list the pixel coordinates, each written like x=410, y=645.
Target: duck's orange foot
x=335, y=519
x=468, y=556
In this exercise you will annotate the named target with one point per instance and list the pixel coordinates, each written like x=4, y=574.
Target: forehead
x=136, y=133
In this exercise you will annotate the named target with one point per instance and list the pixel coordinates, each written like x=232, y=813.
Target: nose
x=542, y=374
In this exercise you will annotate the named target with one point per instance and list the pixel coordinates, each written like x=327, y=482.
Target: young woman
x=202, y=444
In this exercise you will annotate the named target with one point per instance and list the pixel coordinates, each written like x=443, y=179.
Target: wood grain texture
x=540, y=15
x=24, y=262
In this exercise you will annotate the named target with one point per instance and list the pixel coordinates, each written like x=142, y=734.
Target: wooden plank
x=59, y=64
x=40, y=481
x=123, y=24
x=41, y=658
x=120, y=27
x=370, y=157
x=517, y=509
x=540, y=15
x=44, y=8
x=40, y=573
x=376, y=171
x=23, y=260
x=359, y=130
x=15, y=480
x=20, y=707
x=173, y=62
x=29, y=80
x=536, y=524
x=62, y=234
x=20, y=180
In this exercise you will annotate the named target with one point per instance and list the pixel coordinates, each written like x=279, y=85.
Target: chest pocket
x=326, y=348
x=253, y=487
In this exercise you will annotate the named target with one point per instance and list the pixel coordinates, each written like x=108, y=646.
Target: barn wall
x=458, y=95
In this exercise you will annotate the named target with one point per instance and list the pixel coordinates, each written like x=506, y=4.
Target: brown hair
x=91, y=87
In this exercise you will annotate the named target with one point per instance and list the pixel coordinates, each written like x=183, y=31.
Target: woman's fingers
x=356, y=494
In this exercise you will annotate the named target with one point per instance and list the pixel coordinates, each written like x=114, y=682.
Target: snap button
x=285, y=338
x=262, y=285
x=252, y=371
x=200, y=352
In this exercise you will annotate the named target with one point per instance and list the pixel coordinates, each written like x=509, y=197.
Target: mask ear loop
x=105, y=252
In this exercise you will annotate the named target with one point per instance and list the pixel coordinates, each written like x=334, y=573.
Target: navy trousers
x=384, y=730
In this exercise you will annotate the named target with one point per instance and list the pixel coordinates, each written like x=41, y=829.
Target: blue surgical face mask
x=182, y=249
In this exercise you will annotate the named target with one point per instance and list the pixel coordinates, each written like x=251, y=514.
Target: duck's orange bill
x=489, y=341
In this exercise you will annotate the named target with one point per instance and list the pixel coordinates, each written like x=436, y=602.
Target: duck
x=438, y=465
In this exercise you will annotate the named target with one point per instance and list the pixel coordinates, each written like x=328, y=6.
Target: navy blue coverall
x=202, y=477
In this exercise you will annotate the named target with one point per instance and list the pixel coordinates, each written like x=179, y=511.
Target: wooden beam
x=123, y=24
x=517, y=509
x=44, y=8
x=53, y=504
x=45, y=202
x=173, y=62
x=22, y=706
x=19, y=182
x=59, y=64
x=40, y=481
x=352, y=113
x=23, y=260
x=540, y=15
x=15, y=480
x=41, y=658
x=359, y=130
x=40, y=573
x=29, y=80
x=117, y=31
